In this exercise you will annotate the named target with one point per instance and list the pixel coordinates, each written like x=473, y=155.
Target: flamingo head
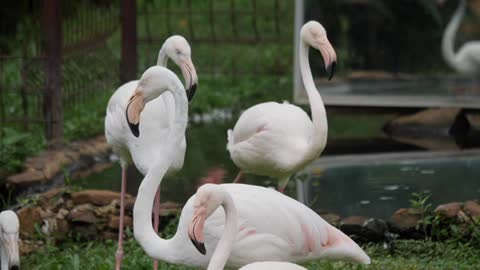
x=177, y=48
x=9, y=228
x=313, y=34
x=207, y=199
x=154, y=82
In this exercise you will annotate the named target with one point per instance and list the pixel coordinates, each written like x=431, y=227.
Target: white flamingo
x=157, y=118
x=263, y=225
x=467, y=59
x=277, y=140
x=272, y=226
x=9, y=228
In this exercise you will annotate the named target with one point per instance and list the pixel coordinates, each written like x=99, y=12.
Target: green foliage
x=409, y=254
x=16, y=146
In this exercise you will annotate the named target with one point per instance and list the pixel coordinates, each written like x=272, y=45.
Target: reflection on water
x=377, y=185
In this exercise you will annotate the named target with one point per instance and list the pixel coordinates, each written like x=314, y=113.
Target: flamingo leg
x=156, y=220
x=119, y=253
x=239, y=176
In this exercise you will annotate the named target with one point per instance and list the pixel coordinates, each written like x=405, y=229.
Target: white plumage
x=9, y=229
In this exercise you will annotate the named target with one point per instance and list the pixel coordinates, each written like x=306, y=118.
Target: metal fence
x=68, y=53
x=60, y=58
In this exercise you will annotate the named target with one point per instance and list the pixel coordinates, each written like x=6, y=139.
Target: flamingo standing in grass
x=467, y=59
x=9, y=228
x=277, y=140
x=157, y=119
x=272, y=225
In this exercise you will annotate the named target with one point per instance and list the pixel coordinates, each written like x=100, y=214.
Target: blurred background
x=60, y=61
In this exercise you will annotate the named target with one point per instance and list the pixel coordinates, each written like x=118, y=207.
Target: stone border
x=43, y=167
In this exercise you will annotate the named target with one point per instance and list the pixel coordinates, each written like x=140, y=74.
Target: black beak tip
x=331, y=70
x=200, y=246
x=133, y=127
x=191, y=92
x=14, y=267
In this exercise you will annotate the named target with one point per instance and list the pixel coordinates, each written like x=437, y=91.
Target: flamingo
x=9, y=227
x=277, y=140
x=272, y=225
x=467, y=59
x=157, y=119
x=263, y=225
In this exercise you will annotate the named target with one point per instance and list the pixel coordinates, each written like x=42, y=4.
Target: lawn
x=409, y=254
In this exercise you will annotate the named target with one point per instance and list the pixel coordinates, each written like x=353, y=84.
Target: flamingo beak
x=195, y=230
x=191, y=78
x=11, y=247
x=328, y=54
x=134, y=109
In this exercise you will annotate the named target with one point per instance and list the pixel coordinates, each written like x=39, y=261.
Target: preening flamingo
x=9, y=228
x=272, y=226
x=277, y=140
x=157, y=119
x=467, y=59
x=261, y=224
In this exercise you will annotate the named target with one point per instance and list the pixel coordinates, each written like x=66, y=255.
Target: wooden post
x=128, y=68
x=52, y=99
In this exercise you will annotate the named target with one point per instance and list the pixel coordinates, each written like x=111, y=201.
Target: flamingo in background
x=261, y=224
x=467, y=59
x=9, y=227
x=157, y=119
x=277, y=140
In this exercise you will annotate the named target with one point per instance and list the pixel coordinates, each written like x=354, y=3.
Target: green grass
x=409, y=255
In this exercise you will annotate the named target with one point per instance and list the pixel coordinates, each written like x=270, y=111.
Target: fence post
x=52, y=98
x=128, y=64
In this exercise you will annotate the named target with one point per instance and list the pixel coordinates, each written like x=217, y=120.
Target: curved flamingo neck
x=162, y=59
x=448, y=40
x=153, y=245
x=225, y=244
x=319, y=115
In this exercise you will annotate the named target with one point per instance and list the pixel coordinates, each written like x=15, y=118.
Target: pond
x=373, y=184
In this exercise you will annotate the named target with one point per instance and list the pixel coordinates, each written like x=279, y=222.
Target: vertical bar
x=254, y=20
x=233, y=19
x=52, y=99
x=298, y=89
x=128, y=67
x=169, y=25
x=190, y=20
x=212, y=22
x=277, y=19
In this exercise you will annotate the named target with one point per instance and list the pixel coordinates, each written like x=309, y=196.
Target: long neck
x=319, y=115
x=153, y=245
x=224, y=246
x=162, y=59
x=448, y=41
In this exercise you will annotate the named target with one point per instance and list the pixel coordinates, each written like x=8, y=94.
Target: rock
x=44, y=198
x=352, y=225
x=448, y=210
x=53, y=163
x=462, y=217
x=404, y=220
x=28, y=246
x=96, y=197
x=107, y=210
x=331, y=218
x=82, y=216
x=114, y=222
x=26, y=178
x=28, y=217
x=86, y=232
x=430, y=122
x=471, y=208
x=96, y=168
x=129, y=203
x=55, y=227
